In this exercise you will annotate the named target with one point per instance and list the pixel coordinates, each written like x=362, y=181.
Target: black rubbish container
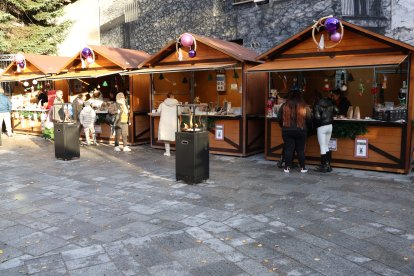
x=66, y=140
x=192, y=156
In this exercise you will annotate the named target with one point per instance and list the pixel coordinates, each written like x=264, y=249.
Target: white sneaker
x=287, y=170
x=117, y=149
x=127, y=149
x=167, y=154
x=303, y=170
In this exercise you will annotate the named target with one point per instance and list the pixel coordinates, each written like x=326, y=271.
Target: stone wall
x=259, y=27
x=402, y=21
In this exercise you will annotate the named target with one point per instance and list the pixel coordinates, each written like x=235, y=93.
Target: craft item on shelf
x=350, y=113
x=326, y=86
x=384, y=82
x=361, y=88
x=357, y=113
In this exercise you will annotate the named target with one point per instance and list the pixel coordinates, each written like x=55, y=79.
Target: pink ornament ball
x=192, y=53
x=89, y=60
x=187, y=40
x=335, y=37
x=19, y=58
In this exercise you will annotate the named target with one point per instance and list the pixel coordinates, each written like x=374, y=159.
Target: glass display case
x=62, y=113
x=192, y=117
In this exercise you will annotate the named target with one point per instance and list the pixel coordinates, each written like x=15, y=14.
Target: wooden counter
x=386, y=146
x=232, y=143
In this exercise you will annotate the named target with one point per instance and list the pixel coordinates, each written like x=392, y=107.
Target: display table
x=385, y=151
x=28, y=120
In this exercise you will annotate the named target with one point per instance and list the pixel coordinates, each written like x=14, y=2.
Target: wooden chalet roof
x=36, y=66
x=349, y=28
x=229, y=49
x=123, y=59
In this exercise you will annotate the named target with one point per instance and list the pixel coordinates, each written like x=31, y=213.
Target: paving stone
x=100, y=269
x=169, y=269
x=44, y=264
x=255, y=268
x=218, y=268
x=37, y=243
x=197, y=256
x=15, y=232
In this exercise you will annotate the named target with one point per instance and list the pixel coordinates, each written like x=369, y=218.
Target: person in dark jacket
x=295, y=118
x=323, y=113
x=341, y=102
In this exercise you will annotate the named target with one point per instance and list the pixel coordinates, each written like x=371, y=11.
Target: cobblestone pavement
x=123, y=213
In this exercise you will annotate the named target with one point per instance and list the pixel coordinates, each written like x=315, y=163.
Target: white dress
x=168, y=120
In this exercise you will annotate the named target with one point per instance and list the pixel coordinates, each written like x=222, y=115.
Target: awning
x=328, y=63
x=181, y=68
x=20, y=78
x=86, y=74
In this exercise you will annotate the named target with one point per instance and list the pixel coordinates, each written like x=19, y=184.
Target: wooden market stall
x=376, y=73
x=103, y=72
x=25, y=84
x=214, y=76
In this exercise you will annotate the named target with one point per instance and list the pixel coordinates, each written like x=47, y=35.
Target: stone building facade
x=258, y=24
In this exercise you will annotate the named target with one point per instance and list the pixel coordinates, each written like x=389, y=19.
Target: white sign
x=361, y=148
x=332, y=144
x=219, y=132
x=98, y=129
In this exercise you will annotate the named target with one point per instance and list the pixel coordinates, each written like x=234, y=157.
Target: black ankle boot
x=328, y=161
x=322, y=168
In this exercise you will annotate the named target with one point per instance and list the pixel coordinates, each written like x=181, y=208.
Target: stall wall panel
x=350, y=42
x=141, y=90
x=142, y=129
x=256, y=92
x=255, y=135
x=232, y=136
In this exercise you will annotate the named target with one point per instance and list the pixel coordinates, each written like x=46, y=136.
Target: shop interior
x=380, y=93
x=215, y=88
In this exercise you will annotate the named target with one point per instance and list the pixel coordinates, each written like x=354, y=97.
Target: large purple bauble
x=86, y=52
x=192, y=53
x=335, y=36
x=331, y=24
x=21, y=64
x=187, y=40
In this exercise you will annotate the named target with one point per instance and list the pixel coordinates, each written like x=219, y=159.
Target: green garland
x=348, y=130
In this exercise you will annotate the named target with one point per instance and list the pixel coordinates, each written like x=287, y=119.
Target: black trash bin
x=192, y=156
x=66, y=140
x=66, y=132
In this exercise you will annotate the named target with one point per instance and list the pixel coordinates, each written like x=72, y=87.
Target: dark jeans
x=121, y=129
x=294, y=140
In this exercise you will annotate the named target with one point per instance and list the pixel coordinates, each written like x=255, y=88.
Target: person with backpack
x=87, y=119
x=121, y=123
